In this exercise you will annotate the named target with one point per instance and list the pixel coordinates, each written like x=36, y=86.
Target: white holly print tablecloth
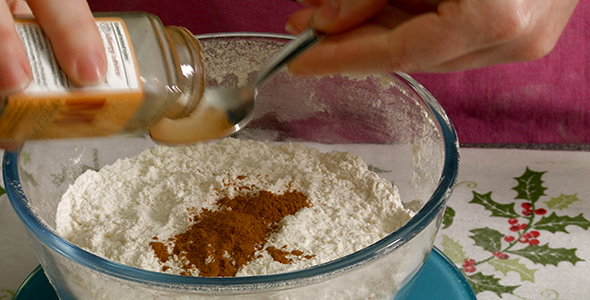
x=516, y=225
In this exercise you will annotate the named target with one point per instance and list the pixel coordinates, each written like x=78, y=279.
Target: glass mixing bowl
x=389, y=120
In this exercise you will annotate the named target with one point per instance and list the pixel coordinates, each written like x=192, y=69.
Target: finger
x=343, y=54
x=364, y=49
x=335, y=16
x=75, y=39
x=299, y=21
x=14, y=65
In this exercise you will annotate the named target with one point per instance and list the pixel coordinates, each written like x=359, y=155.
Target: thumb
x=334, y=16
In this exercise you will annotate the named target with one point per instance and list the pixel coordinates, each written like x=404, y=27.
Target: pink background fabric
x=544, y=101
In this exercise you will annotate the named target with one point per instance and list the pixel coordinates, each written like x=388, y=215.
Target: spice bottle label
x=53, y=107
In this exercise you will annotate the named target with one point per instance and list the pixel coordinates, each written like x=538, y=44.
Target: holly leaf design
x=530, y=186
x=545, y=255
x=489, y=239
x=497, y=209
x=453, y=250
x=2, y=191
x=555, y=223
x=481, y=283
x=448, y=217
x=513, y=265
x=561, y=202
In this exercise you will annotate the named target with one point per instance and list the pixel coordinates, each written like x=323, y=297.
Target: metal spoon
x=224, y=111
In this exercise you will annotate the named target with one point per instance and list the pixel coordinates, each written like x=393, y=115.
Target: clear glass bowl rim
x=414, y=226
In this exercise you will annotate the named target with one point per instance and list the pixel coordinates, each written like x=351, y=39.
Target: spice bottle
x=154, y=73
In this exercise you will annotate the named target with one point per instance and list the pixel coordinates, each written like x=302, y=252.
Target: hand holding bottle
x=72, y=31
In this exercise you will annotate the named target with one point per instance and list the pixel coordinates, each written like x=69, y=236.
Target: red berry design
x=509, y=238
x=468, y=265
x=512, y=221
x=514, y=228
x=540, y=211
x=526, y=205
x=523, y=239
x=534, y=242
x=500, y=255
x=469, y=269
x=527, y=212
x=535, y=233
x=523, y=226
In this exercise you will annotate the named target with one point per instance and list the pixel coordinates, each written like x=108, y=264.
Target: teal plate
x=438, y=279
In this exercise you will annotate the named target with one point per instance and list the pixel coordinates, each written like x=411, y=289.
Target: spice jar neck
x=189, y=71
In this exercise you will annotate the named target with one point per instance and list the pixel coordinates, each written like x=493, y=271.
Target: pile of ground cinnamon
x=221, y=241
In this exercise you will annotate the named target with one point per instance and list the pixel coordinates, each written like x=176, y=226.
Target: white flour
x=117, y=211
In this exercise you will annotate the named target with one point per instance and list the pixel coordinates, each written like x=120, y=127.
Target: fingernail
x=91, y=70
x=18, y=78
x=326, y=14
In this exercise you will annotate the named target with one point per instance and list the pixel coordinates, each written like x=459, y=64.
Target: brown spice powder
x=285, y=257
x=222, y=241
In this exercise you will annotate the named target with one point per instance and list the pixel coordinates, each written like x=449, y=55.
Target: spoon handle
x=303, y=41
